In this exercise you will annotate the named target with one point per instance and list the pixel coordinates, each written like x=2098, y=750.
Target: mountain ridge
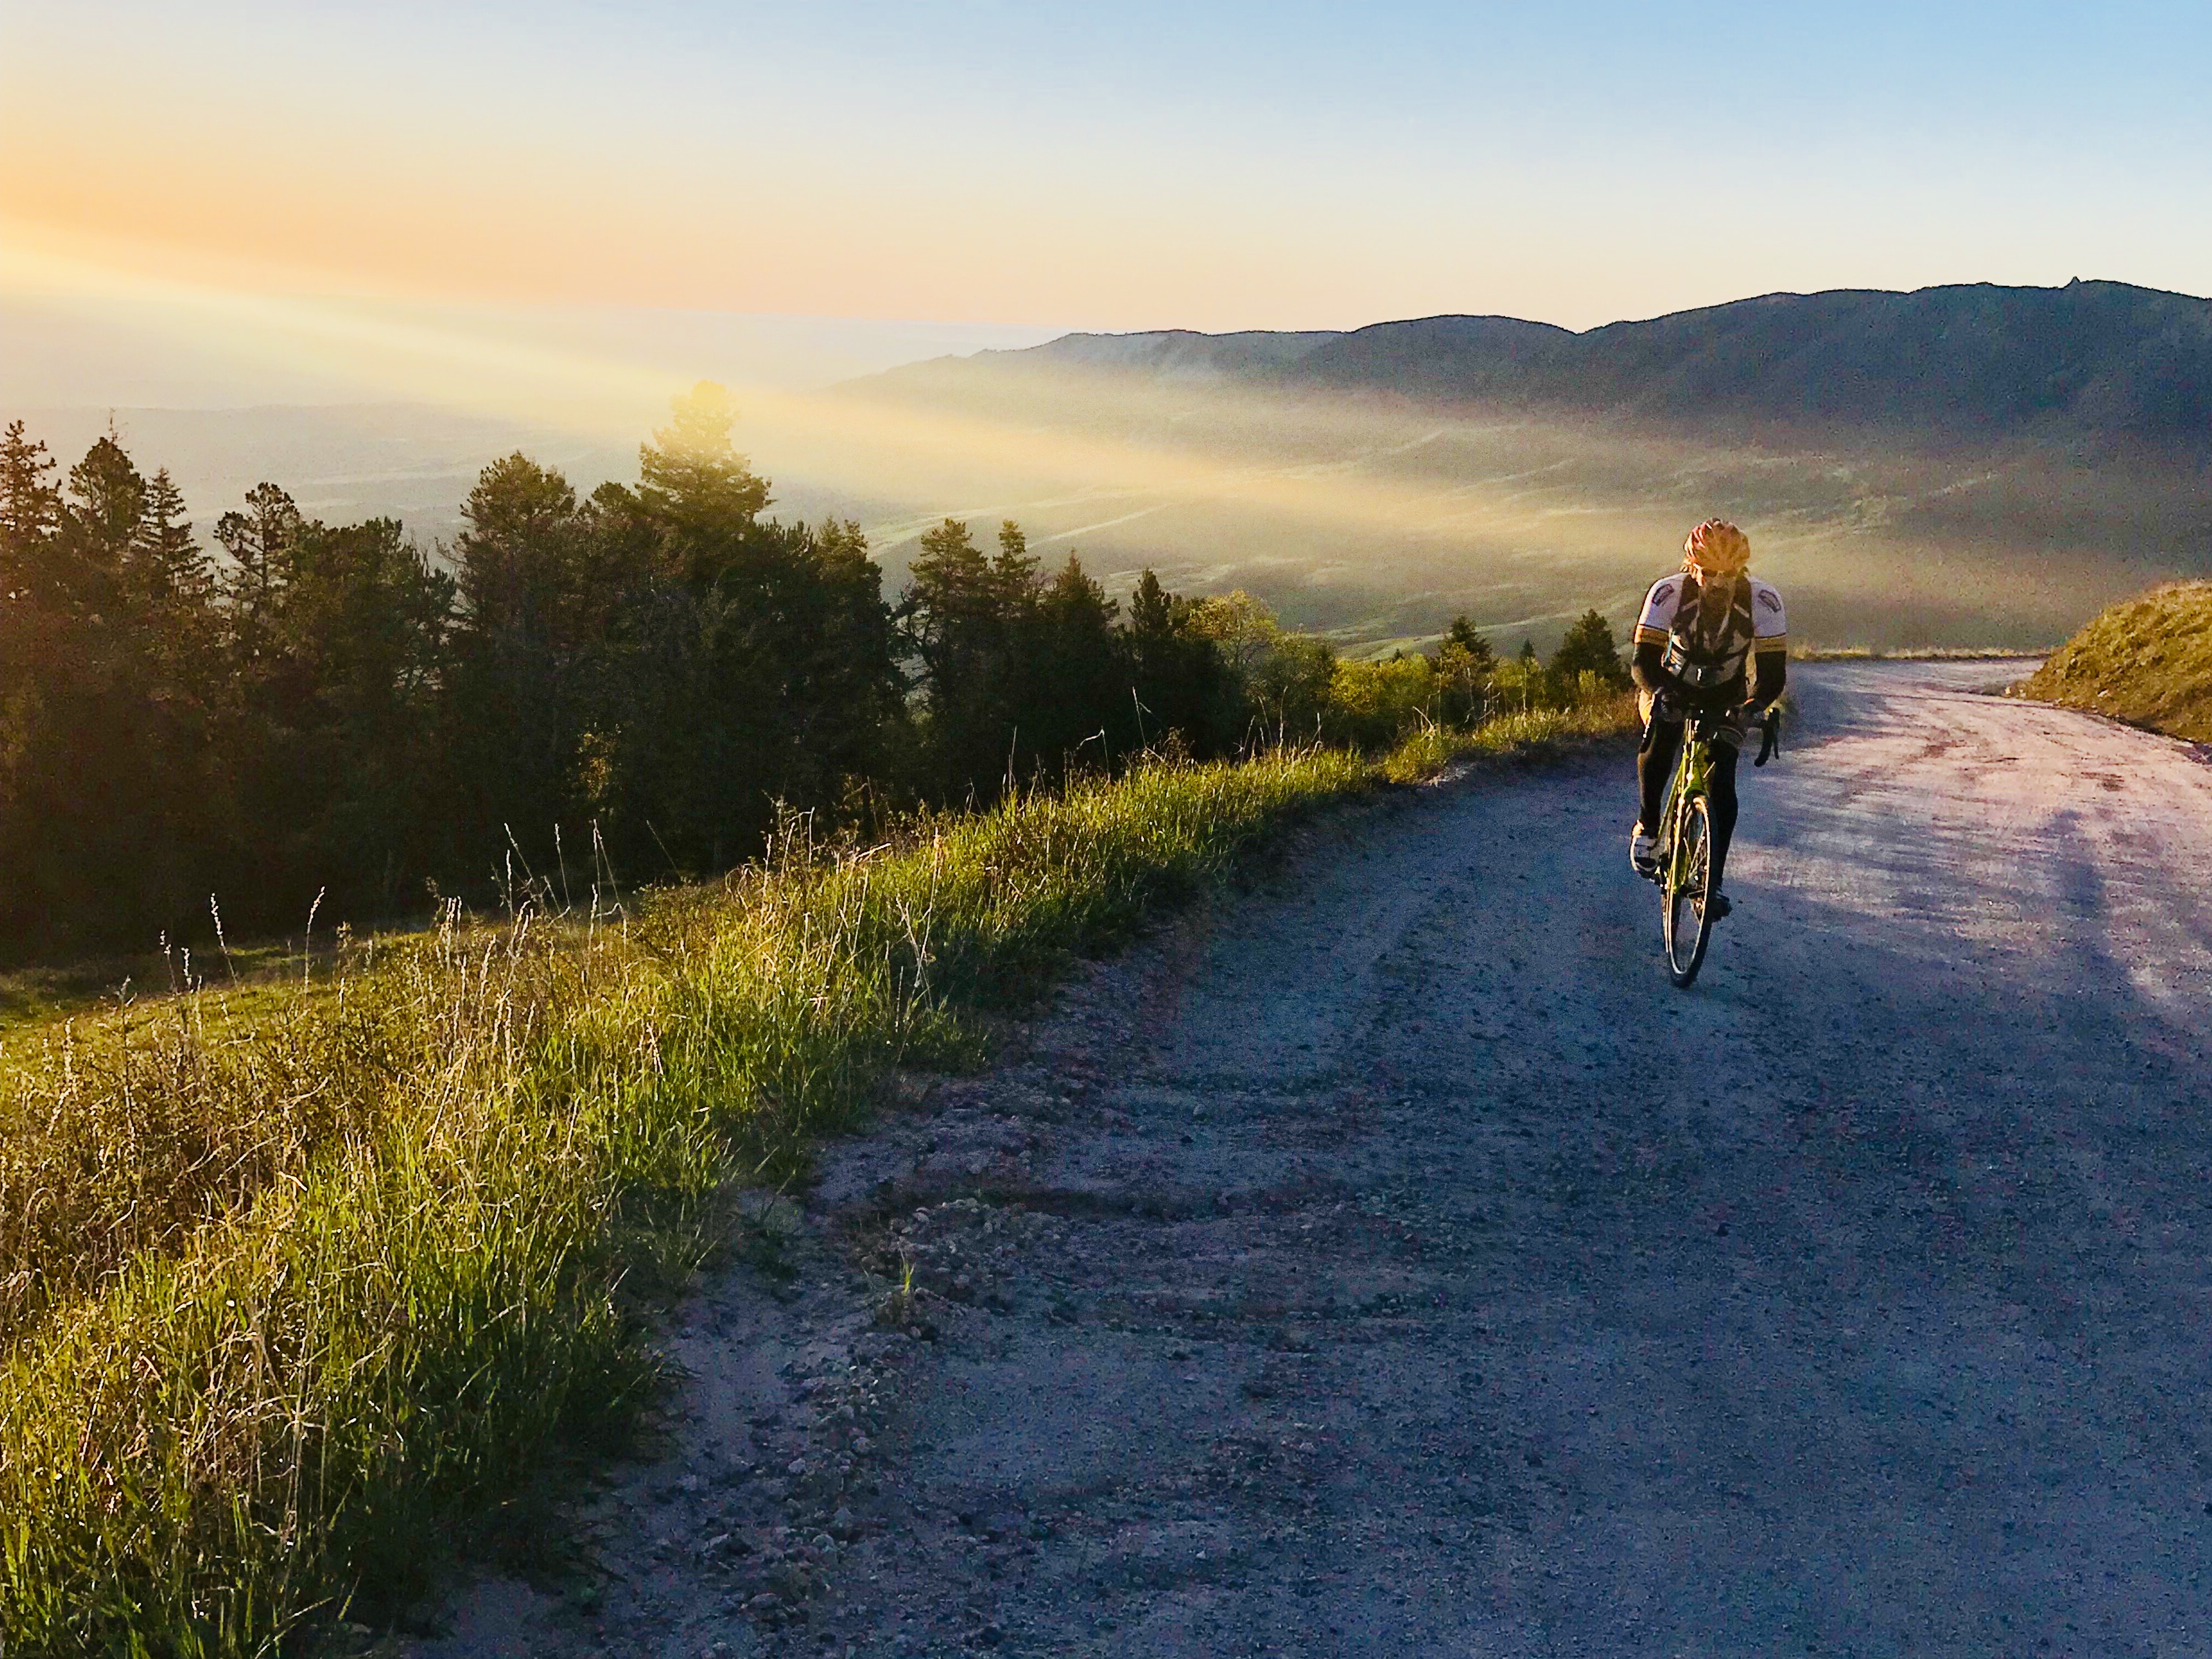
x=2106, y=363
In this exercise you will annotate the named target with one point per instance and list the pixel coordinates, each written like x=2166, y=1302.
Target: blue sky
x=1124, y=166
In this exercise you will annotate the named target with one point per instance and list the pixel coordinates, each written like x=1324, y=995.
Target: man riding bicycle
x=1705, y=632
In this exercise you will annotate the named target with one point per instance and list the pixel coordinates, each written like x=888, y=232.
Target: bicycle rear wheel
x=1686, y=924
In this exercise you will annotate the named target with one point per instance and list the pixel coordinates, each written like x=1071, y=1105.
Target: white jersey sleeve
x=1658, y=613
x=1769, y=623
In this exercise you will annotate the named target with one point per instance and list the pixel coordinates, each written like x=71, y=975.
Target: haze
x=1207, y=166
x=530, y=224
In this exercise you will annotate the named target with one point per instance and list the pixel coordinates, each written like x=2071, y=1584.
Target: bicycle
x=1685, y=872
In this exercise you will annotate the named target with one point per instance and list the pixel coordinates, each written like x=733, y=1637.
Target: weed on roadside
x=286, y=1294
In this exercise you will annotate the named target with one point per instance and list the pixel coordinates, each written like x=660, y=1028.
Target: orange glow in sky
x=1211, y=166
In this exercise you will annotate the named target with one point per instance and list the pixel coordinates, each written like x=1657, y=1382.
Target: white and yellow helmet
x=1716, y=548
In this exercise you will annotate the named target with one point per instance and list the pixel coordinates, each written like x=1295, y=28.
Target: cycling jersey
x=1768, y=657
x=1770, y=623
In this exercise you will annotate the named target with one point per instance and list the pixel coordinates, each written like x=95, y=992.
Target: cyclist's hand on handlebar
x=1770, y=736
x=1667, y=705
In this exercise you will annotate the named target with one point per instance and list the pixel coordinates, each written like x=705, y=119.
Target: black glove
x=1770, y=736
x=1667, y=705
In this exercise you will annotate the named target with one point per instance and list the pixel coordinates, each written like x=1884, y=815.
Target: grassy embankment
x=2146, y=660
x=289, y=1282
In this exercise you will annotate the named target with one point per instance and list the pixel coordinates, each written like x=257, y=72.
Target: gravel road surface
x=1391, y=1261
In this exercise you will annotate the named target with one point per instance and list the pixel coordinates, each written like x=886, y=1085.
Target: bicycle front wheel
x=1687, y=924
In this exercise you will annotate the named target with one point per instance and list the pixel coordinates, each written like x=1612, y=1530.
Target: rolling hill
x=2098, y=362
x=1967, y=464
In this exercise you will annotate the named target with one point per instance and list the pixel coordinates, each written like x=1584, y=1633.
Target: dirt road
x=1393, y=1263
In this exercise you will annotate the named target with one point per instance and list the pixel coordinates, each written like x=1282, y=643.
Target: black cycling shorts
x=1725, y=724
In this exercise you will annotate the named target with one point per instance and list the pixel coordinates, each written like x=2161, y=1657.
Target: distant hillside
x=2100, y=364
x=2146, y=660
x=1176, y=354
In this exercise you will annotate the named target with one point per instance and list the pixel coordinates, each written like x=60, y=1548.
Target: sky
x=341, y=191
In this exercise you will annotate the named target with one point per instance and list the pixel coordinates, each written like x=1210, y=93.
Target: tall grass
x=1425, y=753
x=289, y=1281
x=286, y=1288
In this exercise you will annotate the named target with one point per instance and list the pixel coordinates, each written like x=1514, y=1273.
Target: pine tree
x=1181, y=696
x=30, y=513
x=1081, y=712
x=689, y=474
x=968, y=621
x=1151, y=608
x=1587, y=648
x=1014, y=572
x=1471, y=639
x=164, y=563
x=1465, y=668
x=726, y=655
x=531, y=644
x=106, y=502
x=260, y=541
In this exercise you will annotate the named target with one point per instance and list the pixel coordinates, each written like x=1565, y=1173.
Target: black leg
x=1720, y=796
x=1654, y=763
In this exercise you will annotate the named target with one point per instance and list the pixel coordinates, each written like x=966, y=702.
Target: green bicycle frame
x=1693, y=769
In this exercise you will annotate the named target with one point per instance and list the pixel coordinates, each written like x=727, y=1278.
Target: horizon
x=409, y=182
x=772, y=352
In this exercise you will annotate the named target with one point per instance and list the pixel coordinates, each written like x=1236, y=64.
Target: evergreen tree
x=184, y=679
x=340, y=729
x=1471, y=639
x=968, y=624
x=1588, y=648
x=106, y=503
x=259, y=541
x=30, y=513
x=689, y=475
x=1180, y=690
x=1014, y=572
x=111, y=801
x=1466, y=670
x=537, y=592
x=166, y=567
x=1083, y=714
x=733, y=638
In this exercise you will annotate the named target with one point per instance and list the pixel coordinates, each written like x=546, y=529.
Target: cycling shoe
x=1644, y=852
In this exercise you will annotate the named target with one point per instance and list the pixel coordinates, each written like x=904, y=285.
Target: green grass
x=1427, y=752
x=35, y=996
x=2146, y=660
x=292, y=1282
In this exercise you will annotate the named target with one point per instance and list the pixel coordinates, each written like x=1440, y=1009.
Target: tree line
x=627, y=685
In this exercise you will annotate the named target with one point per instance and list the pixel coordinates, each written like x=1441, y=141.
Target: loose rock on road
x=1395, y=1263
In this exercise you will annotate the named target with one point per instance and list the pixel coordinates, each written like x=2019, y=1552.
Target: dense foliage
x=630, y=684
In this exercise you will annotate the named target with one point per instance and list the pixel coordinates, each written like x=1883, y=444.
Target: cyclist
x=1706, y=631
